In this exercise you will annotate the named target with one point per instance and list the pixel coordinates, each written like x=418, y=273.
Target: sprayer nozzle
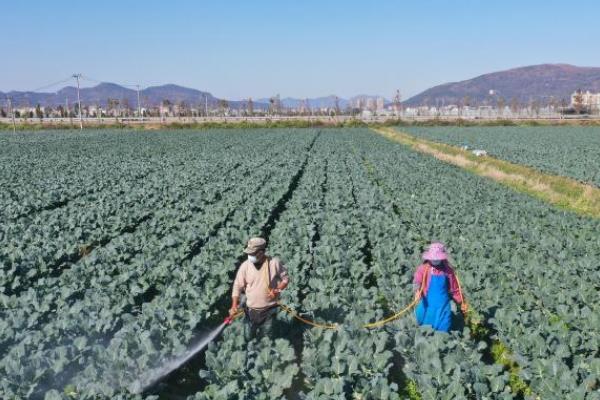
x=228, y=320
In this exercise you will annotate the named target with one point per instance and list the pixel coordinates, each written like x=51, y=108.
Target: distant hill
x=100, y=94
x=150, y=96
x=537, y=82
x=154, y=95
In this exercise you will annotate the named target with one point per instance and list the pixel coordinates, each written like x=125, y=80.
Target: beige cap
x=255, y=244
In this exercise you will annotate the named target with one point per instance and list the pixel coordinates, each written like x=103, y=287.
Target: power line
x=146, y=85
x=94, y=80
x=50, y=85
x=87, y=78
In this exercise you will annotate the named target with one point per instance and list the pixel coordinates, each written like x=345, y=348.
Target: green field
x=118, y=249
x=571, y=151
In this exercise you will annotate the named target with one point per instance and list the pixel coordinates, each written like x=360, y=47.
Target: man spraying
x=261, y=278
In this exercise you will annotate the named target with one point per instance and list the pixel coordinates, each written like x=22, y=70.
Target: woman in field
x=435, y=284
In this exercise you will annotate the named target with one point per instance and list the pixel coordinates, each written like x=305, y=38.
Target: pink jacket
x=446, y=270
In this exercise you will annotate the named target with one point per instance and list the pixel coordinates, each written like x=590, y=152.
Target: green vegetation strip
x=499, y=352
x=411, y=391
x=560, y=191
x=35, y=124
x=113, y=124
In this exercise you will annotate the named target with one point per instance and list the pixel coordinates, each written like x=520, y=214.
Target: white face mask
x=252, y=259
x=436, y=263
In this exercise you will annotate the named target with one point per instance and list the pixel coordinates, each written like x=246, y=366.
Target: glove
x=233, y=311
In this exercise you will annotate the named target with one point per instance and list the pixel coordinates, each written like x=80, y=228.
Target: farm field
x=567, y=151
x=117, y=249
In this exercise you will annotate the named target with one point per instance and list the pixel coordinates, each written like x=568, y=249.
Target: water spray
x=150, y=378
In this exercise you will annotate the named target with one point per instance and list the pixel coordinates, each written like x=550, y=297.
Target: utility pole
x=78, y=76
x=12, y=113
x=398, y=104
x=138, y=100
x=250, y=107
x=206, y=106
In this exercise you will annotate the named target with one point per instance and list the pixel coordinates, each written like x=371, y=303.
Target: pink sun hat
x=435, y=251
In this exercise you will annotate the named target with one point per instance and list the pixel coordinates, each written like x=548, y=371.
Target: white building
x=165, y=110
x=357, y=103
x=371, y=104
x=26, y=111
x=588, y=100
x=380, y=103
x=94, y=110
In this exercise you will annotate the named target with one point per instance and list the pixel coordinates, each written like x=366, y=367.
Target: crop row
x=349, y=213
x=39, y=248
x=324, y=237
x=121, y=296
x=556, y=350
x=43, y=172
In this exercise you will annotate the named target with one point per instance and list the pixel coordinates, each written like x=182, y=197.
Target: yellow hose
x=371, y=325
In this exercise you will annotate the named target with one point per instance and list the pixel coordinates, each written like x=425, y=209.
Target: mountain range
x=153, y=96
x=100, y=94
x=538, y=82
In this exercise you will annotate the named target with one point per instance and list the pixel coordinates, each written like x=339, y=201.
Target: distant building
x=165, y=110
x=25, y=111
x=93, y=111
x=358, y=103
x=588, y=100
x=380, y=104
x=371, y=106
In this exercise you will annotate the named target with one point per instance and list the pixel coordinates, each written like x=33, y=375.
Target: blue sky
x=236, y=49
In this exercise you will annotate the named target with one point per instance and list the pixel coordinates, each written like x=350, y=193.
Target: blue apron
x=434, y=308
